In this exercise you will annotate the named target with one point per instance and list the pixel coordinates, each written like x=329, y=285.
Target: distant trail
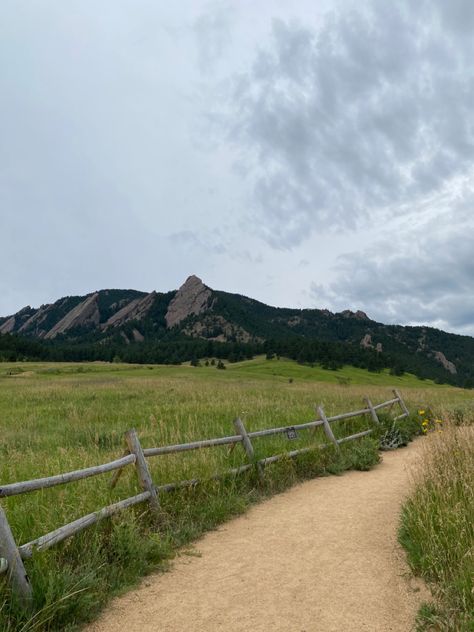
x=321, y=557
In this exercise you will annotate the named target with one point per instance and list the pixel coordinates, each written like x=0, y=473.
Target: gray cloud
x=423, y=275
x=250, y=143
x=213, y=34
x=205, y=243
x=349, y=123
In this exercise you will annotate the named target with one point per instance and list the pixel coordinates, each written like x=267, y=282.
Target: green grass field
x=59, y=417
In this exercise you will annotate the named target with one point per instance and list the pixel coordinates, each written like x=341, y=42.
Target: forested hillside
x=197, y=322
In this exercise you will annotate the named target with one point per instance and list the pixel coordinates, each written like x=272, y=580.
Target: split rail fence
x=12, y=555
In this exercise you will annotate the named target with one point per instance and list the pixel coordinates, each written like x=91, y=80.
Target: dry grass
x=438, y=526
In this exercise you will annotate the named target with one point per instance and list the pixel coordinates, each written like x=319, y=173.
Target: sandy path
x=322, y=557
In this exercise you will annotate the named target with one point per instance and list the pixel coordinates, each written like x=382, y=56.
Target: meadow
x=59, y=417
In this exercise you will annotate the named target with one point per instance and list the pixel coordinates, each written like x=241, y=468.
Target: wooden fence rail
x=12, y=555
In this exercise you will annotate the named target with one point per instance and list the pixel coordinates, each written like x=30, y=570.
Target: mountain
x=196, y=321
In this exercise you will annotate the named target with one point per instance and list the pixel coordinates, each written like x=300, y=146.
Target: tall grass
x=437, y=527
x=62, y=417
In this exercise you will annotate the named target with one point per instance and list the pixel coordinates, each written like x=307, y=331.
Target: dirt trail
x=321, y=557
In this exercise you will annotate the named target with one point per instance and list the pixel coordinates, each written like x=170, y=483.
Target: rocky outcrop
x=13, y=323
x=442, y=359
x=294, y=321
x=422, y=341
x=84, y=314
x=360, y=315
x=135, y=310
x=367, y=343
x=137, y=336
x=8, y=326
x=191, y=299
x=34, y=324
x=218, y=329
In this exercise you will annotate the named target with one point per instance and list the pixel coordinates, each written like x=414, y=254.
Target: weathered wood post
x=402, y=403
x=16, y=571
x=327, y=427
x=248, y=447
x=143, y=472
x=373, y=412
x=118, y=473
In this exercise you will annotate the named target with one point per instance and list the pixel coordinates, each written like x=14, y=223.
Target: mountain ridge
x=183, y=321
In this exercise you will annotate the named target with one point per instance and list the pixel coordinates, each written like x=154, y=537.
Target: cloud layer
x=308, y=154
x=353, y=121
x=422, y=272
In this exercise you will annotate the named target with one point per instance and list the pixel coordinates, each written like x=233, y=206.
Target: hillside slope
x=197, y=321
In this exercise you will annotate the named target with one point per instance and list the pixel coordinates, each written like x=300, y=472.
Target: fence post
x=16, y=571
x=402, y=403
x=118, y=473
x=373, y=412
x=248, y=447
x=143, y=472
x=327, y=427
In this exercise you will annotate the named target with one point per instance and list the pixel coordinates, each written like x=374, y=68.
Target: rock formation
x=359, y=314
x=442, y=359
x=192, y=298
x=367, y=343
x=8, y=326
x=135, y=310
x=86, y=313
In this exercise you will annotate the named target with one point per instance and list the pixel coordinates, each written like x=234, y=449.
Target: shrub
x=395, y=434
x=364, y=454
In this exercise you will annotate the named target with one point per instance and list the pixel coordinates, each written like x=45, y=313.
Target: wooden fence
x=12, y=555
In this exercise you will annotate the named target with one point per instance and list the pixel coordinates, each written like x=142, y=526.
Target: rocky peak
x=192, y=298
x=24, y=310
x=359, y=314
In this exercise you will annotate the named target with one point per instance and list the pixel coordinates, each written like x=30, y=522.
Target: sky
x=311, y=154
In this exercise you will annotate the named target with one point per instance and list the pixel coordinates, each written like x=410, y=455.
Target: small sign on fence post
x=291, y=433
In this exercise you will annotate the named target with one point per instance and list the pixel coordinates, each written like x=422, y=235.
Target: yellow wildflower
x=421, y=412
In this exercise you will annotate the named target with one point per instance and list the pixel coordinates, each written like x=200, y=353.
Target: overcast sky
x=305, y=153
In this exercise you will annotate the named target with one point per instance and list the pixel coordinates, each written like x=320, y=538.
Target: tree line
x=329, y=355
